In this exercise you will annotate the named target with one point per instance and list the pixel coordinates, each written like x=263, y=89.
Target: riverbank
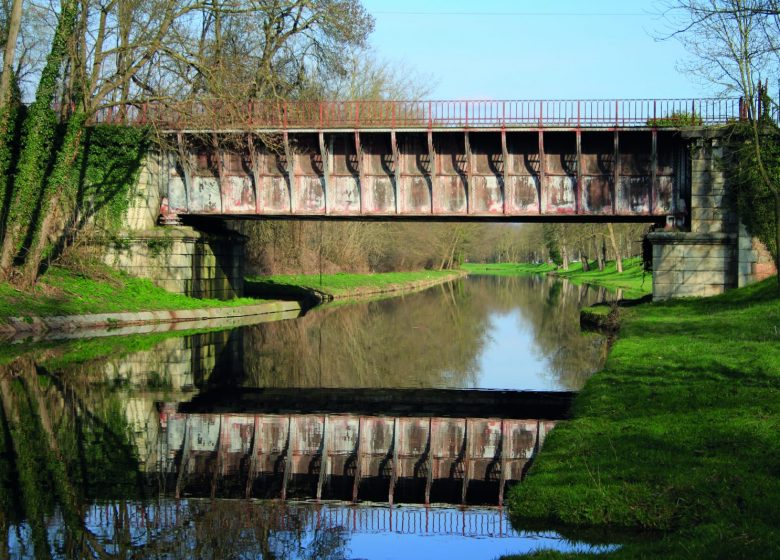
x=65, y=300
x=677, y=434
x=313, y=289
x=633, y=279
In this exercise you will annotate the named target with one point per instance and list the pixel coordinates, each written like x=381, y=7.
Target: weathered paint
x=485, y=174
x=350, y=456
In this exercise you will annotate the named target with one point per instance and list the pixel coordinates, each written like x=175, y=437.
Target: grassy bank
x=345, y=285
x=64, y=292
x=678, y=434
x=507, y=269
x=633, y=278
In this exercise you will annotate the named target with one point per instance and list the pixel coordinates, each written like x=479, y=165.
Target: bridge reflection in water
x=301, y=517
x=410, y=459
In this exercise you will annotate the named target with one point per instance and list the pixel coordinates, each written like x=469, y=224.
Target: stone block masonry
x=182, y=260
x=717, y=253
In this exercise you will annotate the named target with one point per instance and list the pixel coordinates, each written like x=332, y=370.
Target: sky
x=529, y=49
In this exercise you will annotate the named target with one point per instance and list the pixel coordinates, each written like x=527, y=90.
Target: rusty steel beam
x=505, y=164
x=289, y=163
x=503, y=467
x=185, y=457
x=288, y=459
x=433, y=169
x=616, y=174
x=653, y=169
x=578, y=185
x=429, y=462
x=324, y=155
x=324, y=458
x=252, y=472
x=396, y=170
x=394, y=474
x=466, y=463
x=542, y=175
x=358, y=461
x=361, y=171
x=469, y=190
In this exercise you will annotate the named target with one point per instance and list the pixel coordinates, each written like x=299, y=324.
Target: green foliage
x=347, y=284
x=159, y=245
x=752, y=197
x=113, y=156
x=11, y=120
x=507, y=269
x=67, y=293
x=38, y=143
x=551, y=242
x=677, y=433
x=676, y=119
x=633, y=278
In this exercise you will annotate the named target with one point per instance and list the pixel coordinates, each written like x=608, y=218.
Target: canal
x=379, y=429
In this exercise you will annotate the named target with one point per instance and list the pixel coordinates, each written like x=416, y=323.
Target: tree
x=736, y=43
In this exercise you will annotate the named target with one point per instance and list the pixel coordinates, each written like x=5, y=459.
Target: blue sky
x=522, y=49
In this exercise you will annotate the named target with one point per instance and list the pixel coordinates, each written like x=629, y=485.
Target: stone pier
x=717, y=253
x=179, y=259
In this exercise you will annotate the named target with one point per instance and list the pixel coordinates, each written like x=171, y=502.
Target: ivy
x=111, y=164
x=39, y=133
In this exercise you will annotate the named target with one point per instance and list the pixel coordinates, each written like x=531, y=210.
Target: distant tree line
x=277, y=247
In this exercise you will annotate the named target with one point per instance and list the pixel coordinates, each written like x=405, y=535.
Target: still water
x=239, y=444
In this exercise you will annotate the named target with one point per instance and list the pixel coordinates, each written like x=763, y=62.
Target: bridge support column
x=182, y=260
x=717, y=254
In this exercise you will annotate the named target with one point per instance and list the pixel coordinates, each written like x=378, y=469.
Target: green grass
x=345, y=284
x=64, y=292
x=633, y=277
x=677, y=434
x=507, y=269
x=57, y=354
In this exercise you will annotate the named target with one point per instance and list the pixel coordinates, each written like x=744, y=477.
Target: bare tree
x=735, y=44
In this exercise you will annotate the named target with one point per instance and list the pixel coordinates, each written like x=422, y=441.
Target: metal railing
x=321, y=115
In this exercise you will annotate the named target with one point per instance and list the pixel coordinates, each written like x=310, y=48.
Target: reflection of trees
x=55, y=454
x=72, y=487
x=552, y=308
x=428, y=339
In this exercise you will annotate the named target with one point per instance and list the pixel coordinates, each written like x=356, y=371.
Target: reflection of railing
x=562, y=113
x=342, y=456
x=164, y=515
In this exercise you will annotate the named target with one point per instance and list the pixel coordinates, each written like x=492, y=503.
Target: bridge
x=482, y=160
x=318, y=452
x=638, y=160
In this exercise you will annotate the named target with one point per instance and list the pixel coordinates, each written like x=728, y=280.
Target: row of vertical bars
x=426, y=520
x=434, y=172
x=325, y=454
x=220, y=115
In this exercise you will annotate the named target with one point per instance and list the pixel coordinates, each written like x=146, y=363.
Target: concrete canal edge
x=69, y=323
x=20, y=326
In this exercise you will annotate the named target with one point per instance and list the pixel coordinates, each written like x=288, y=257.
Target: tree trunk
x=565, y=257
x=613, y=241
x=39, y=127
x=58, y=199
x=14, y=23
x=585, y=265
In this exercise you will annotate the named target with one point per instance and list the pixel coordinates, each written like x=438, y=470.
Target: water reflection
x=81, y=432
x=483, y=332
